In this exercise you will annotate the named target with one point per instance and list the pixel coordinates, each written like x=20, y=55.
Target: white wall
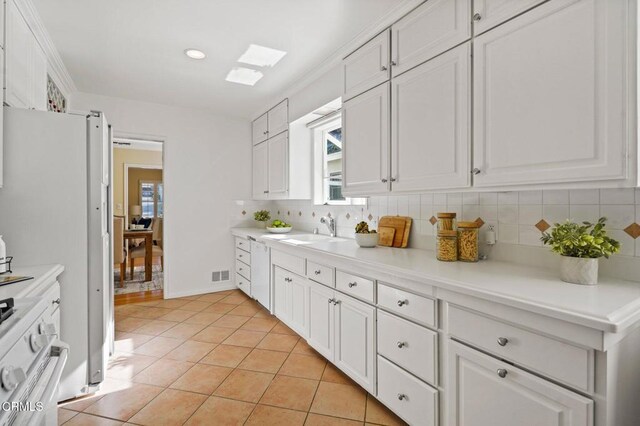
x=207, y=163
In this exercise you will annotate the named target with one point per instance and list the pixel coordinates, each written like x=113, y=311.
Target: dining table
x=147, y=234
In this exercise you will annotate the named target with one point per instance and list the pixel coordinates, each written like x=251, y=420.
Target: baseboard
x=199, y=291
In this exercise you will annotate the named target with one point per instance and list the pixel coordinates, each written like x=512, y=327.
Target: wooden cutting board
x=398, y=223
x=386, y=236
x=407, y=231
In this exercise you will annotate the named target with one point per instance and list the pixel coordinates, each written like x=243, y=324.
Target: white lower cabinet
x=321, y=319
x=482, y=390
x=292, y=300
x=410, y=398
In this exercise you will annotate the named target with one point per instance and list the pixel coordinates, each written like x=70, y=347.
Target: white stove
x=31, y=363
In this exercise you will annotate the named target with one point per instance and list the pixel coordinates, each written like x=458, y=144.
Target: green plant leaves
x=588, y=240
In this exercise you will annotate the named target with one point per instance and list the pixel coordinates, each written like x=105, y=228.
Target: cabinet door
x=365, y=148
x=278, y=165
x=280, y=288
x=483, y=391
x=355, y=352
x=489, y=13
x=299, y=305
x=321, y=319
x=551, y=96
x=260, y=129
x=278, y=118
x=431, y=120
x=367, y=67
x=18, y=58
x=260, y=175
x=427, y=31
x=39, y=77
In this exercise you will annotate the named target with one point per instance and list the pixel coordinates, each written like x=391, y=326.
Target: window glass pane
x=147, y=199
x=160, y=200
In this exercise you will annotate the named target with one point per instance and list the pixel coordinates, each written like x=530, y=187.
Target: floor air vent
x=217, y=276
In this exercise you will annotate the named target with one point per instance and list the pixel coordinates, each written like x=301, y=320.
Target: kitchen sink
x=310, y=239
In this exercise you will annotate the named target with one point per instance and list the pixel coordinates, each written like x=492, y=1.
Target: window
x=152, y=199
x=327, y=135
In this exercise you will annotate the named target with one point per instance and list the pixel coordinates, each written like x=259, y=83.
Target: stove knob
x=38, y=341
x=12, y=377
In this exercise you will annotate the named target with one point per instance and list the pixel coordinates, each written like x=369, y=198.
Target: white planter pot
x=367, y=240
x=579, y=271
x=260, y=224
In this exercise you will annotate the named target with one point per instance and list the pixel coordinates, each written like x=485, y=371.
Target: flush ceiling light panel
x=261, y=56
x=195, y=53
x=245, y=76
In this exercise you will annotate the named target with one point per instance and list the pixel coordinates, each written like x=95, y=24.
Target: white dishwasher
x=260, y=274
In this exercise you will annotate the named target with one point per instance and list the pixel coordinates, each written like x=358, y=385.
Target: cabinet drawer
x=243, y=256
x=288, y=261
x=243, y=284
x=412, y=347
x=362, y=288
x=243, y=244
x=417, y=308
x=243, y=270
x=559, y=360
x=408, y=397
x=320, y=273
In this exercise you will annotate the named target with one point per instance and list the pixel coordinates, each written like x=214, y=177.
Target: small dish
x=367, y=240
x=279, y=230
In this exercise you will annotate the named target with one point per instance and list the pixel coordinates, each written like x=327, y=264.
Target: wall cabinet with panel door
x=366, y=149
x=490, y=13
x=25, y=63
x=432, y=28
x=551, y=96
x=260, y=129
x=367, y=67
x=260, y=175
x=271, y=123
x=482, y=390
x=278, y=166
x=431, y=124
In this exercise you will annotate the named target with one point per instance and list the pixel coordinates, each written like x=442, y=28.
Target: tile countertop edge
x=41, y=274
x=614, y=321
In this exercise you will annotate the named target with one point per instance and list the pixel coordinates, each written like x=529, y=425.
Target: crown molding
x=335, y=58
x=56, y=68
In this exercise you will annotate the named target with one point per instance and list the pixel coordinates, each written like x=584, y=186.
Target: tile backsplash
x=518, y=217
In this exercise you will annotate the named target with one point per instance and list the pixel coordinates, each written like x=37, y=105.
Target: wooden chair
x=119, y=248
x=139, y=252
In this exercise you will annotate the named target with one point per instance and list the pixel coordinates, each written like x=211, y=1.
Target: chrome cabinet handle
x=336, y=302
x=475, y=171
x=502, y=341
x=383, y=68
x=317, y=272
x=56, y=302
x=353, y=284
x=330, y=301
x=266, y=192
x=393, y=63
x=402, y=396
x=401, y=344
x=240, y=255
x=384, y=180
x=477, y=17
x=403, y=302
x=502, y=372
x=393, y=179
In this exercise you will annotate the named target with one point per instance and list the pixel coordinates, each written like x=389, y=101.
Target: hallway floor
x=218, y=359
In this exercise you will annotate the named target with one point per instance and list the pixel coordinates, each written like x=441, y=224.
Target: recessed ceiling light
x=195, y=54
x=261, y=56
x=244, y=76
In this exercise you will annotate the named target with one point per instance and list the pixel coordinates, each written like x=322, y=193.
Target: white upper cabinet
x=482, y=390
x=551, y=96
x=367, y=67
x=260, y=129
x=261, y=171
x=365, y=128
x=430, y=125
x=278, y=118
x=278, y=165
x=429, y=30
x=489, y=13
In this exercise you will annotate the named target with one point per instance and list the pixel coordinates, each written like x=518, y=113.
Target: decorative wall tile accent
x=633, y=230
x=542, y=225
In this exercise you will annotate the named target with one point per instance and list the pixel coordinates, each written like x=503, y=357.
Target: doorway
x=138, y=201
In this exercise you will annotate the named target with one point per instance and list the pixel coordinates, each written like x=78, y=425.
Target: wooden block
x=398, y=223
x=386, y=236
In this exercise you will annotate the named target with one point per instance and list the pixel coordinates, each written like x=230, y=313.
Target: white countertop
x=612, y=306
x=42, y=274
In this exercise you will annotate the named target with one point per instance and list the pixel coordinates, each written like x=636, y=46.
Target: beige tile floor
x=218, y=359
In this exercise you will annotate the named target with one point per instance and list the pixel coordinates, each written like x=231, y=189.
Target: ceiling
x=134, y=49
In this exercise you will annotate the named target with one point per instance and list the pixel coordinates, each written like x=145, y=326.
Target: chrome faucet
x=331, y=224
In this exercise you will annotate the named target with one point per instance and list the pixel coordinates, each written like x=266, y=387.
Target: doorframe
x=125, y=181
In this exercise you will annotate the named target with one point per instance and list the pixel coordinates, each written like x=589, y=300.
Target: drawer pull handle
x=335, y=302
x=502, y=372
x=502, y=341
x=402, y=344
x=56, y=302
x=353, y=284
x=477, y=17
x=317, y=272
x=332, y=301
x=403, y=302
x=402, y=396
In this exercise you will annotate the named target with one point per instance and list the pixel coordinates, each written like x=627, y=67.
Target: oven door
x=40, y=391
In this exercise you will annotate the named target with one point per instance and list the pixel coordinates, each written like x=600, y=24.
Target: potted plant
x=366, y=237
x=262, y=217
x=580, y=245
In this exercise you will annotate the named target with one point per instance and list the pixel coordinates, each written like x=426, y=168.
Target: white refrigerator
x=55, y=207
